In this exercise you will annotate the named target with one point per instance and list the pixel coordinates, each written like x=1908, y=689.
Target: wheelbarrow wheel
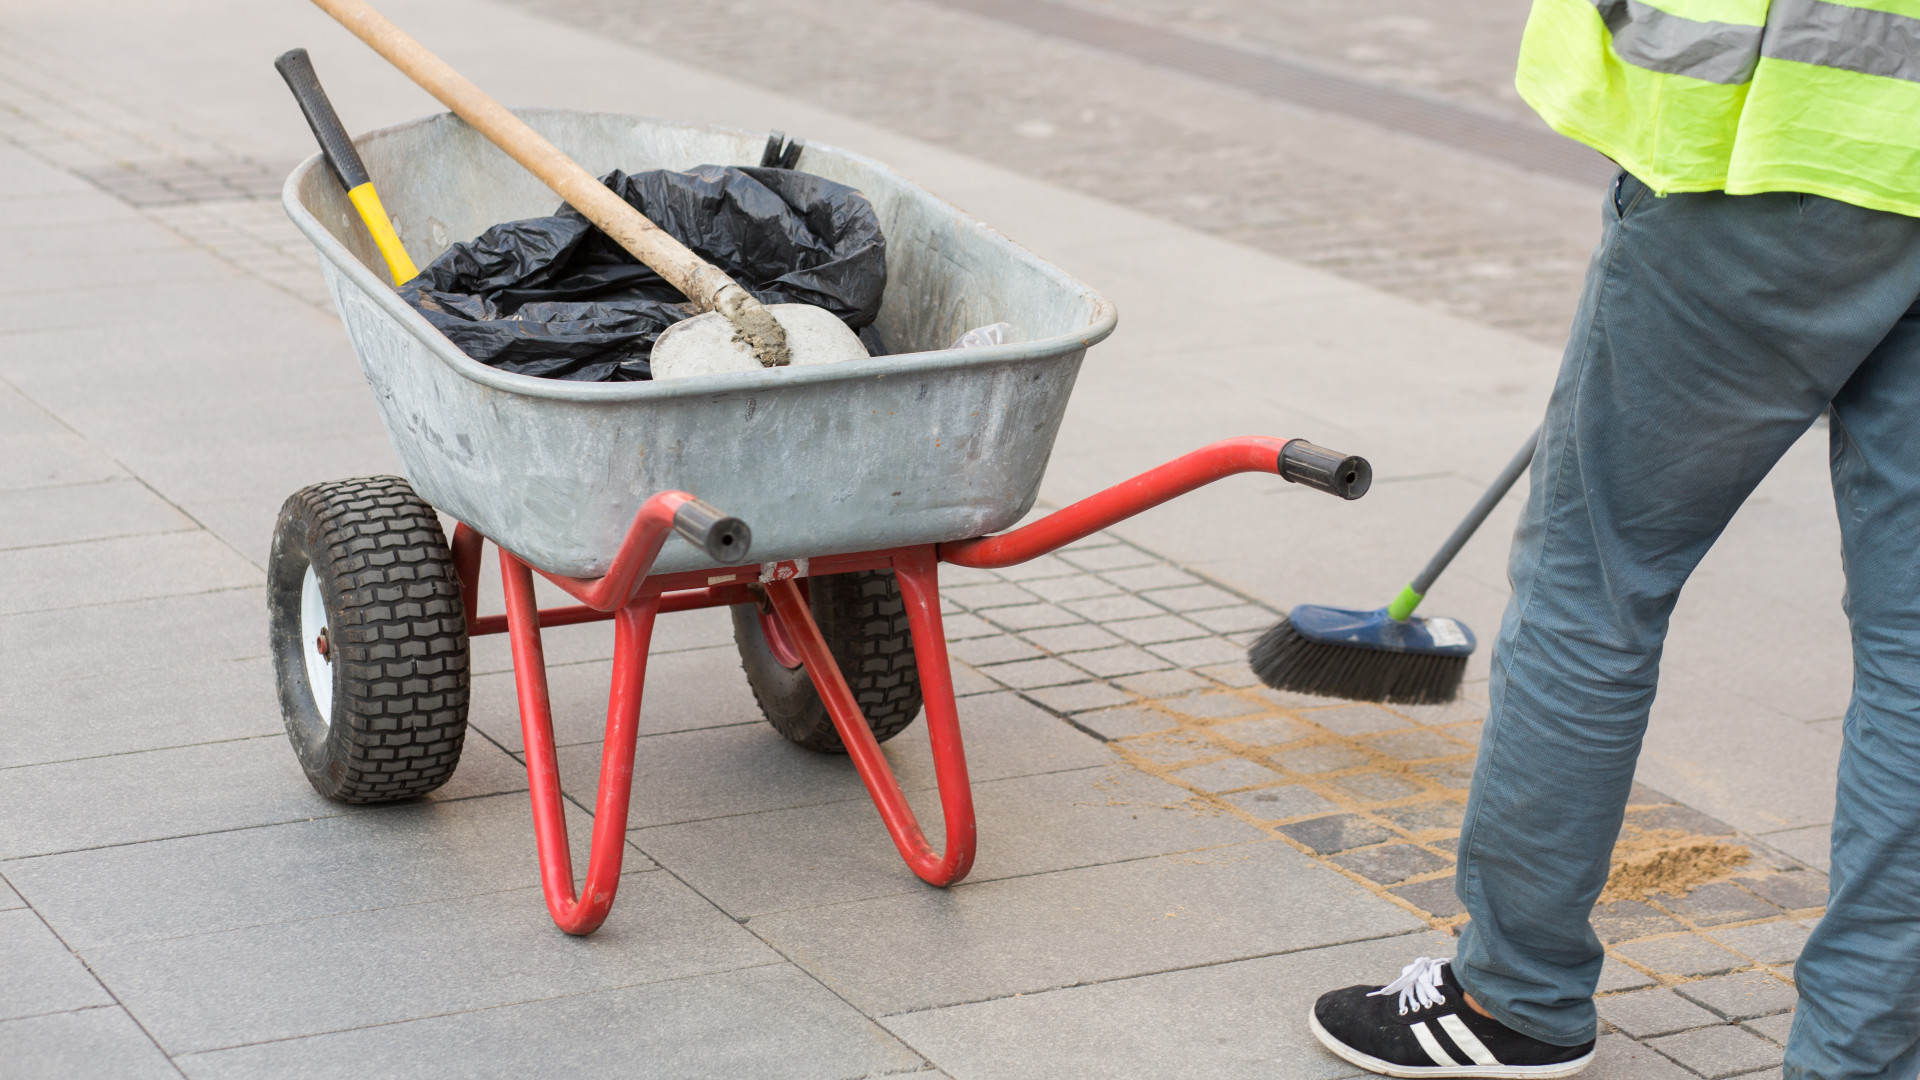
x=369, y=639
x=864, y=622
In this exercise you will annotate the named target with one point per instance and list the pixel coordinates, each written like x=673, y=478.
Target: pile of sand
x=1647, y=861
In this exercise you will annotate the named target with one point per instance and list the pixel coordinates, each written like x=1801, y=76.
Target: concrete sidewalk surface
x=1174, y=861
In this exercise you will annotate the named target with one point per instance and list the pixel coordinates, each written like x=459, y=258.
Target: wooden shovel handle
x=708, y=287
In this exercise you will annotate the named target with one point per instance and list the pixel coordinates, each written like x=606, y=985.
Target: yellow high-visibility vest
x=1744, y=96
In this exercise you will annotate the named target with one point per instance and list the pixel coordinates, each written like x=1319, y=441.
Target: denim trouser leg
x=1712, y=331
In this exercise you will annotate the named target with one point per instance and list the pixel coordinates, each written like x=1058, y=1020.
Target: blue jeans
x=1712, y=332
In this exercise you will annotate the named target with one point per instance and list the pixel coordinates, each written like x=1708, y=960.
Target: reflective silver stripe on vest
x=1848, y=38
x=1647, y=37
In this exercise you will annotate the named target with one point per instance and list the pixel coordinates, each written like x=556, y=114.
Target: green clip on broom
x=1387, y=654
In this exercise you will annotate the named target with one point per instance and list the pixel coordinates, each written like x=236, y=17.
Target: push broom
x=1387, y=654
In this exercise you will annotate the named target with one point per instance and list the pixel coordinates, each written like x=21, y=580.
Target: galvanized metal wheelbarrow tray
x=894, y=462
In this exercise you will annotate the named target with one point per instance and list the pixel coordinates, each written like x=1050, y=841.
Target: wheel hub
x=316, y=645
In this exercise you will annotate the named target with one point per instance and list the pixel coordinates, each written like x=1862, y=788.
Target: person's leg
x=1712, y=332
x=1859, y=1013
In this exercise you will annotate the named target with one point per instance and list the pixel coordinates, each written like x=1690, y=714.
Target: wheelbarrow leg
x=633, y=629
x=915, y=570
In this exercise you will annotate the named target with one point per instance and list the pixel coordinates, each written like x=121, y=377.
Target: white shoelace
x=1418, y=985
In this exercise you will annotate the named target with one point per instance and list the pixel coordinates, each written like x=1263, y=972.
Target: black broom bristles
x=1285, y=660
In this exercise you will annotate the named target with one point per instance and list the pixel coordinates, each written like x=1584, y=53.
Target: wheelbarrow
x=840, y=489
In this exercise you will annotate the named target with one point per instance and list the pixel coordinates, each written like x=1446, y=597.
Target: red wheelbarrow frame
x=632, y=598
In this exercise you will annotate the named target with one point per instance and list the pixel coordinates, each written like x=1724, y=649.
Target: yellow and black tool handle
x=297, y=69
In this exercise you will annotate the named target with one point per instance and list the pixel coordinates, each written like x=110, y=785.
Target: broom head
x=1364, y=655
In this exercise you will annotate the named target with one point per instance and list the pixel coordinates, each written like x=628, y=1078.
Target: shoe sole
x=1486, y=1072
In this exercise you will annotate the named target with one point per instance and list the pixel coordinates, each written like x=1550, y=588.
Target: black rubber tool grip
x=1346, y=475
x=294, y=67
x=726, y=539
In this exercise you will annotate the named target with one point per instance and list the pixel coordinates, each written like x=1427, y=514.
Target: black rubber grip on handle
x=726, y=539
x=1346, y=475
x=294, y=67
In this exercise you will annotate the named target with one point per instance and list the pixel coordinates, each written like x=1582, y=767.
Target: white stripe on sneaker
x=1466, y=1040
x=1432, y=1046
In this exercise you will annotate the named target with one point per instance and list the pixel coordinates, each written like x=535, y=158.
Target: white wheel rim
x=313, y=620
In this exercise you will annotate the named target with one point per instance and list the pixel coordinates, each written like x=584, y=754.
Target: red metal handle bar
x=633, y=631
x=1253, y=453
x=682, y=600
x=915, y=573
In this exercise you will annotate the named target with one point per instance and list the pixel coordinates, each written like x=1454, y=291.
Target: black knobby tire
x=396, y=663
x=864, y=621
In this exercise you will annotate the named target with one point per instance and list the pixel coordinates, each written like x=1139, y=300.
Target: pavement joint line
x=195, y=527
x=143, y=749
x=490, y=1008
x=131, y=600
x=1132, y=976
x=112, y=996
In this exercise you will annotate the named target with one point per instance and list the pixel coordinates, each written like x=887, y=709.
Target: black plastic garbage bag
x=554, y=297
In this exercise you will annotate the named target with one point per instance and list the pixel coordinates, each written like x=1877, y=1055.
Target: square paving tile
x=1720, y=902
x=1625, y=920
x=1423, y=817
x=1107, y=609
x=962, y=627
x=1120, y=723
x=1312, y=760
x=1645, y=1014
x=1163, y=683
x=1683, y=955
x=1264, y=731
x=1028, y=674
x=1719, y=1051
x=1079, y=697
x=1616, y=976
x=1434, y=897
x=1234, y=620
x=1680, y=818
x=312, y=975
x=993, y=650
x=1173, y=747
x=1277, y=803
x=1212, y=706
x=1118, y=660
x=988, y=595
x=1775, y=1027
x=1392, y=864
x=1159, y=576
x=1231, y=774
x=1080, y=587
x=1353, y=720
x=1414, y=745
x=1617, y=1057
x=770, y=1021
x=1160, y=628
x=1046, y=566
x=1194, y=598
x=1111, y=557
x=1793, y=890
x=1216, y=1022
x=84, y=1045
x=1375, y=787
x=1330, y=835
x=1199, y=652
x=1744, y=996
x=1237, y=675
x=1776, y=942
x=1031, y=617
x=1076, y=638
x=1028, y=934
x=1457, y=775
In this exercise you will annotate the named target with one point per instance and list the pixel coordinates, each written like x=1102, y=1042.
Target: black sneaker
x=1420, y=1025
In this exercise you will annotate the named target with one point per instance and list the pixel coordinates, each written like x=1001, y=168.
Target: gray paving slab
x=1776, y=942
x=1743, y=996
x=39, y=516
x=685, y=691
x=1214, y=706
x=1079, y=697
x=1077, y=587
x=1245, y=1019
x=814, y=856
x=177, y=262
x=1685, y=955
x=83, y=1045
x=380, y=857
x=9, y=899
x=1812, y=844
x=1645, y=1014
x=770, y=1021
x=35, y=453
x=1719, y=1051
x=1117, y=660
x=1120, y=723
x=1022, y=935
x=1616, y=976
x=1775, y=1027
x=1231, y=774
x=1163, y=683
x=42, y=975
x=1278, y=803
x=749, y=768
x=113, y=571
x=1199, y=652
x=1795, y=889
x=401, y=963
x=182, y=791
x=1351, y=720
x=1617, y=1057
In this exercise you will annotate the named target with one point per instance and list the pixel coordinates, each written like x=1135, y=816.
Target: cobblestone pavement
x=1476, y=238
x=1149, y=657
